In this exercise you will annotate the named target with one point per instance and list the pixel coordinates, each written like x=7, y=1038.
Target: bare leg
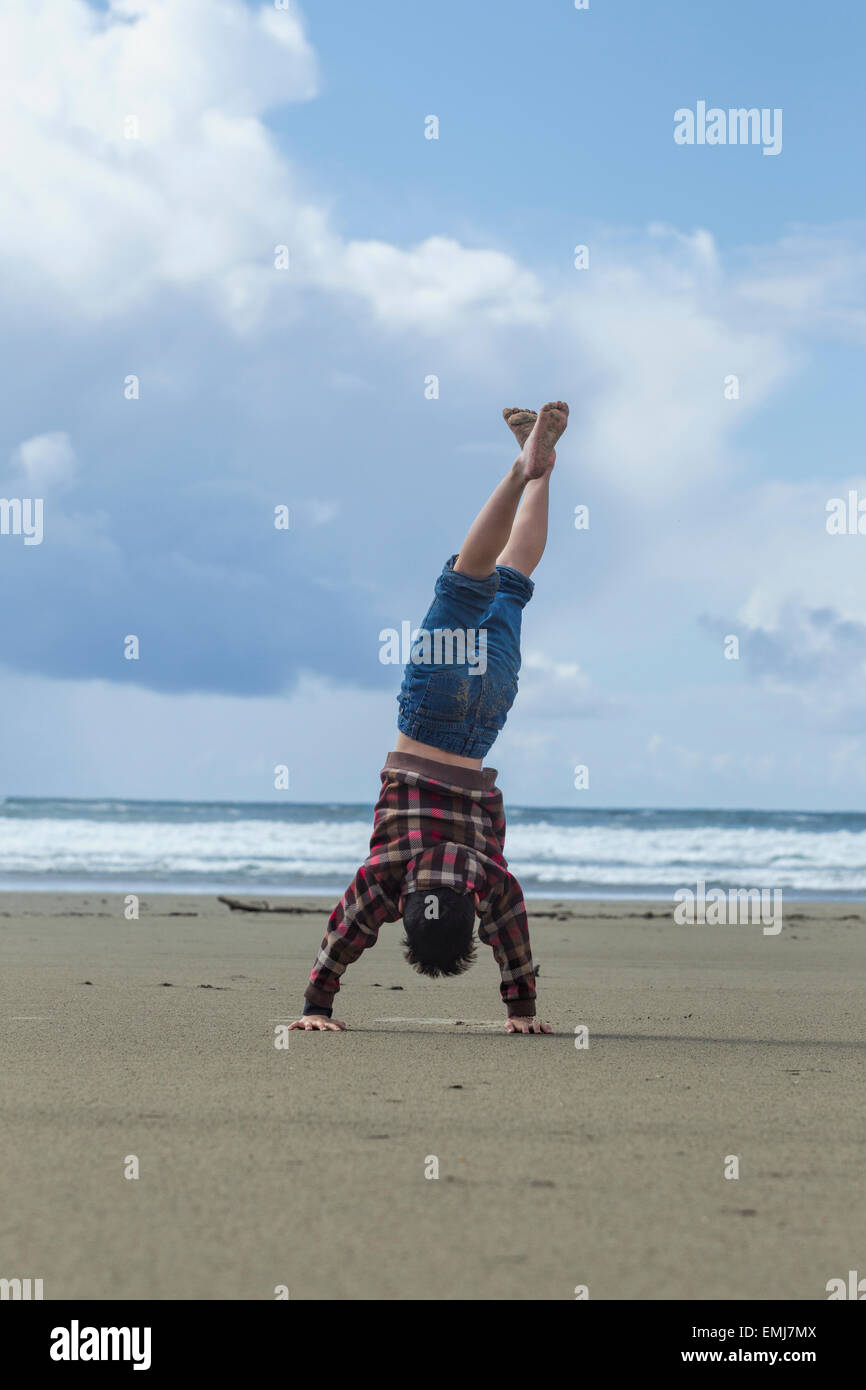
x=528, y=538
x=525, y=546
x=491, y=528
x=488, y=536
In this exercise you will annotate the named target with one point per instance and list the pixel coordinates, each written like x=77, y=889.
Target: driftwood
x=262, y=905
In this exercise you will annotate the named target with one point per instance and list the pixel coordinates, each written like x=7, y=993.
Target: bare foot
x=538, y=453
x=520, y=422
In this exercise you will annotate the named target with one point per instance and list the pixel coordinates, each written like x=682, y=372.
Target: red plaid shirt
x=455, y=819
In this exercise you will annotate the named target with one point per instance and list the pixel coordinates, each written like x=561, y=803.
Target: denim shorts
x=456, y=693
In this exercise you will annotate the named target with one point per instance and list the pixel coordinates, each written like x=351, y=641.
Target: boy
x=436, y=853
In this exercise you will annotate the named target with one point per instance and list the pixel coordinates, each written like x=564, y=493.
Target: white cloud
x=320, y=511
x=92, y=225
x=47, y=463
x=551, y=689
x=763, y=546
x=662, y=328
x=811, y=281
x=567, y=671
x=98, y=222
x=201, y=196
x=436, y=282
x=100, y=219
x=71, y=738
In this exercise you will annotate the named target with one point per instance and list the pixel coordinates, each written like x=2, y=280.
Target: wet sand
x=305, y=1167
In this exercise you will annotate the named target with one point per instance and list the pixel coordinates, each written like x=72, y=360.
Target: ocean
x=136, y=846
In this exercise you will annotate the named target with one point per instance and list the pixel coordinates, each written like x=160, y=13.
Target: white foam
x=542, y=853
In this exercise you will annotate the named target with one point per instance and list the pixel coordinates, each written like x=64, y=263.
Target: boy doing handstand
x=436, y=853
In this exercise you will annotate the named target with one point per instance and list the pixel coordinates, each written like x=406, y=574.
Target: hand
x=527, y=1025
x=311, y=1023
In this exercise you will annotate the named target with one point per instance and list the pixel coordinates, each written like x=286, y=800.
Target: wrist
x=521, y=1008
x=310, y=1008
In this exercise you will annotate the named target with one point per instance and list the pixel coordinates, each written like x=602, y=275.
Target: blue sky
x=305, y=126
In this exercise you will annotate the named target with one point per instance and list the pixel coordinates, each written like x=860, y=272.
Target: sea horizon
x=116, y=844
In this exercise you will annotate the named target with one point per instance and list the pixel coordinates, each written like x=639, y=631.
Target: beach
x=149, y=1044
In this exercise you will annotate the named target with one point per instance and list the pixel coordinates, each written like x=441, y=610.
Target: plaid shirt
x=429, y=831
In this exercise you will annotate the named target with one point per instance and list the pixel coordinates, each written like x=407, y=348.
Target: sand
x=558, y=1167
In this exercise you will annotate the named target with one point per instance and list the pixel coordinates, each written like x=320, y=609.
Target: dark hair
x=438, y=925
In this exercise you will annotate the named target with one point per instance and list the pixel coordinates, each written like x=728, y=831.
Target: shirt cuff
x=521, y=1008
x=311, y=1008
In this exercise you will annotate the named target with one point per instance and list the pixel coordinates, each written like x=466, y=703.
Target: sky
x=169, y=377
